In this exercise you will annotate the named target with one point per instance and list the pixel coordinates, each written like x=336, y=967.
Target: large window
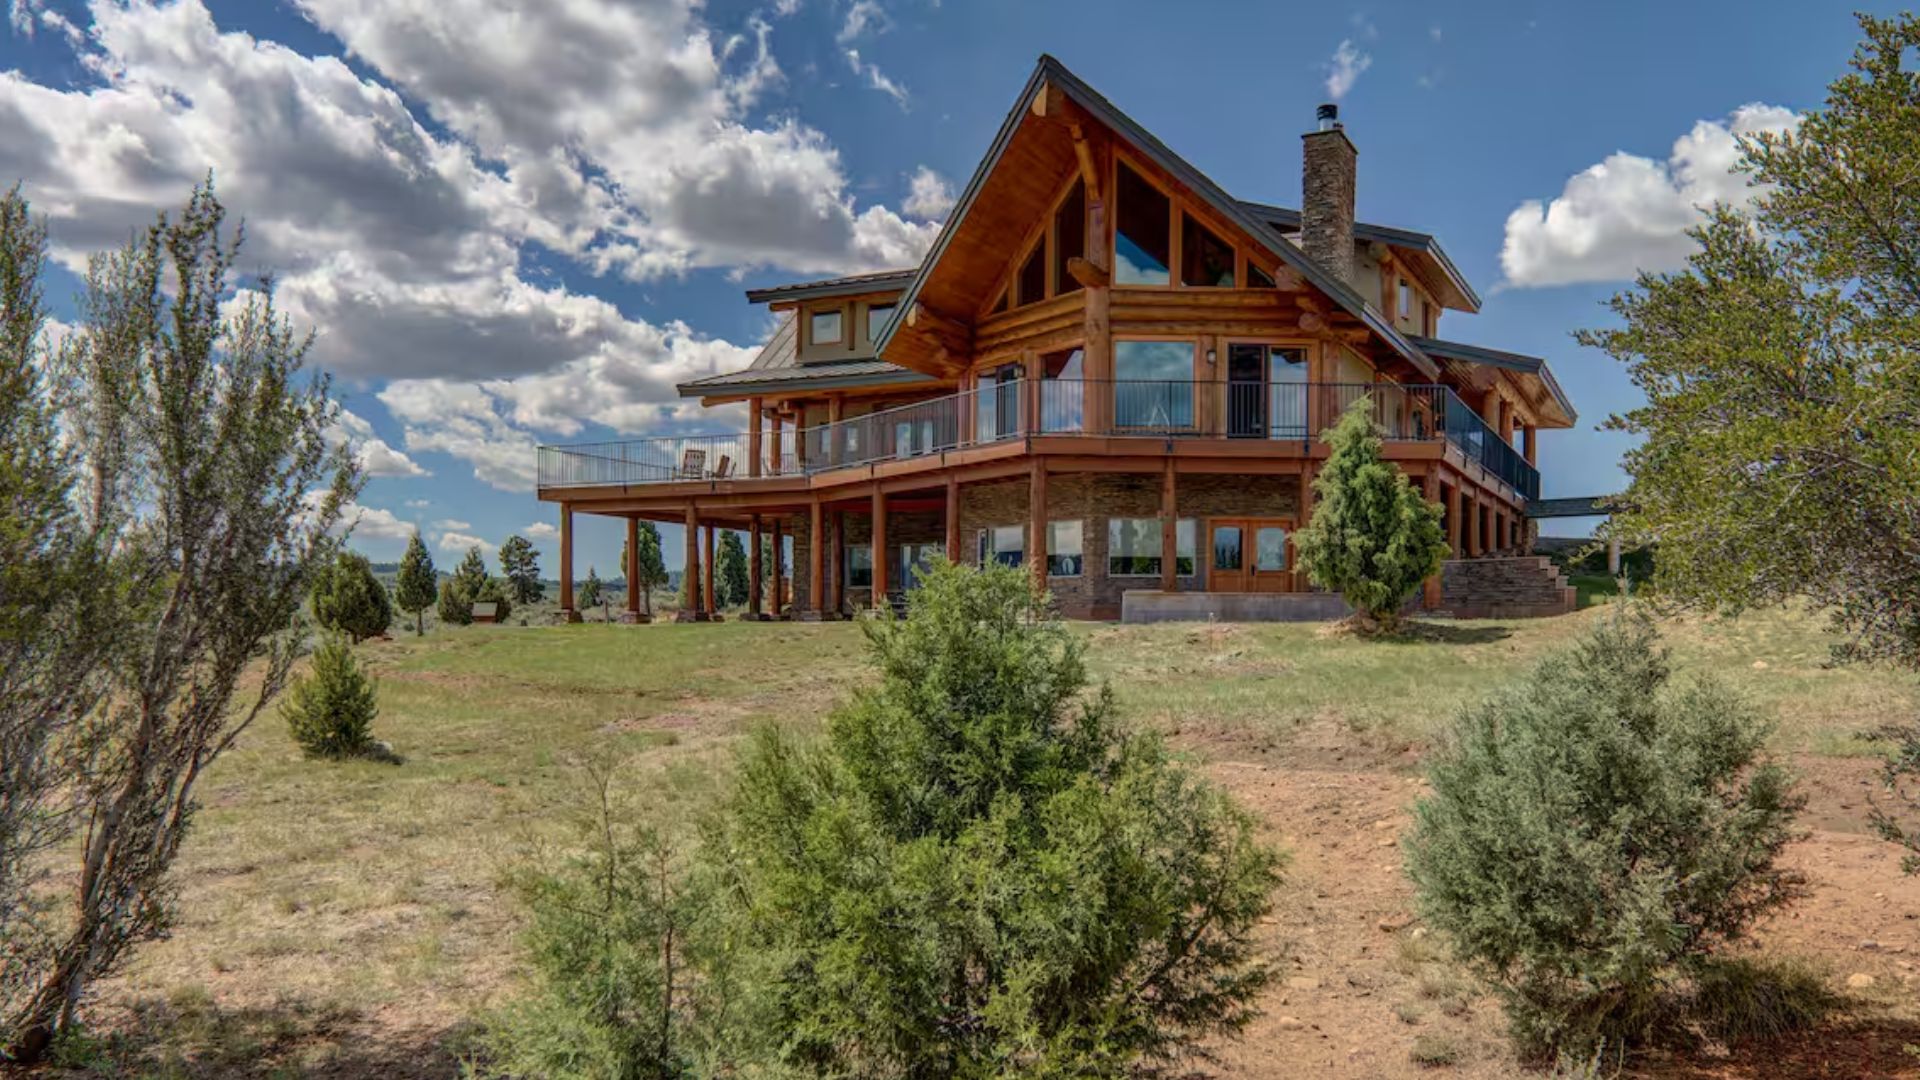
x=1153, y=385
x=1143, y=231
x=1133, y=547
x=860, y=566
x=1063, y=393
x=915, y=558
x=1032, y=284
x=1003, y=544
x=1069, y=236
x=1266, y=391
x=1205, y=259
x=1063, y=548
x=823, y=328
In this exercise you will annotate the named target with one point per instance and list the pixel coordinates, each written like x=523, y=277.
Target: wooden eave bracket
x=1088, y=274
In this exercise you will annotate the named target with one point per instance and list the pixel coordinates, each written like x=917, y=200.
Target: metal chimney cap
x=1327, y=116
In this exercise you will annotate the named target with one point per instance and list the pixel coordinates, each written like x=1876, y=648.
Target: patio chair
x=723, y=470
x=693, y=464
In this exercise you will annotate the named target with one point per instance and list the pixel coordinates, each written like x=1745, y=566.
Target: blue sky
x=521, y=226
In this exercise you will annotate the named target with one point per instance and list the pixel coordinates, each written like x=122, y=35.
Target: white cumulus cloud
x=930, y=196
x=1345, y=68
x=1630, y=213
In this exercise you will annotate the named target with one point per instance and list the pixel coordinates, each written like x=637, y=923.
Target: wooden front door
x=1250, y=555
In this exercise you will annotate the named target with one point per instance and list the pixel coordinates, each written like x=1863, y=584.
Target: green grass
x=323, y=894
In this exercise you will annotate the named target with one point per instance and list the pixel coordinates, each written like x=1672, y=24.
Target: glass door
x=1226, y=556
x=1250, y=555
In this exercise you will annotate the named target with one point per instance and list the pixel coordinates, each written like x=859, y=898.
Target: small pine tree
x=415, y=589
x=458, y=593
x=730, y=571
x=1595, y=833
x=331, y=711
x=348, y=599
x=455, y=609
x=590, y=589
x=1373, y=539
x=496, y=592
x=520, y=563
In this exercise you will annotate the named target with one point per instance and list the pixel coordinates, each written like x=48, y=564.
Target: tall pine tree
x=730, y=570
x=416, y=585
x=520, y=565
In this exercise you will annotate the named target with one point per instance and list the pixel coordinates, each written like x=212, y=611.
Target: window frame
x=840, y=313
x=1193, y=534
x=891, y=307
x=1053, y=552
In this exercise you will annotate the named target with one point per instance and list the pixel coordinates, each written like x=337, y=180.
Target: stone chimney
x=1328, y=161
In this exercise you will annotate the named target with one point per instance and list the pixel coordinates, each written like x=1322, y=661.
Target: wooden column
x=777, y=606
x=1096, y=403
x=1033, y=372
x=567, y=613
x=837, y=564
x=817, y=562
x=1531, y=435
x=953, y=519
x=1474, y=539
x=690, y=573
x=755, y=609
x=632, y=569
x=1037, y=522
x=754, y=420
x=776, y=456
x=800, y=435
x=1454, y=529
x=880, y=582
x=1430, y=490
x=712, y=606
x=1169, y=531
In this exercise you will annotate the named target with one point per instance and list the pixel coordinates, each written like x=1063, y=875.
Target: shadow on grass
x=1424, y=632
x=189, y=1035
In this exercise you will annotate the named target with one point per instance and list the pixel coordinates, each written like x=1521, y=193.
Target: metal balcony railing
x=1293, y=411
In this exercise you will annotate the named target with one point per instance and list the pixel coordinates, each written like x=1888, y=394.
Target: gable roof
x=1051, y=71
x=1287, y=220
x=1508, y=361
x=778, y=368
x=850, y=285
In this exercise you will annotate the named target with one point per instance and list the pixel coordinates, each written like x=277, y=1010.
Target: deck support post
x=837, y=563
x=1169, y=531
x=1037, y=523
x=1475, y=542
x=567, y=612
x=690, y=573
x=1430, y=589
x=633, y=615
x=755, y=610
x=953, y=519
x=775, y=606
x=753, y=436
x=711, y=606
x=880, y=584
x=816, y=608
x=1454, y=510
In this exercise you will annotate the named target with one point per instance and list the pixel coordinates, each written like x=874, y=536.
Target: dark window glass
x=1226, y=547
x=1205, y=259
x=878, y=316
x=1258, y=278
x=860, y=567
x=1033, y=276
x=1153, y=385
x=1143, y=241
x=1069, y=236
x=1000, y=305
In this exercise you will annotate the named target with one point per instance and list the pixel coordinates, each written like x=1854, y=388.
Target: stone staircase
x=1515, y=587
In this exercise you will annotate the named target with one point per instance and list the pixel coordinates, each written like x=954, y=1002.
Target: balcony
x=1257, y=412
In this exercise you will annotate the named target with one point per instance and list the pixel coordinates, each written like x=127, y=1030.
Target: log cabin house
x=1107, y=370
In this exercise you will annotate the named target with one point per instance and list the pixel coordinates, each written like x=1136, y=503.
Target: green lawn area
x=328, y=904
